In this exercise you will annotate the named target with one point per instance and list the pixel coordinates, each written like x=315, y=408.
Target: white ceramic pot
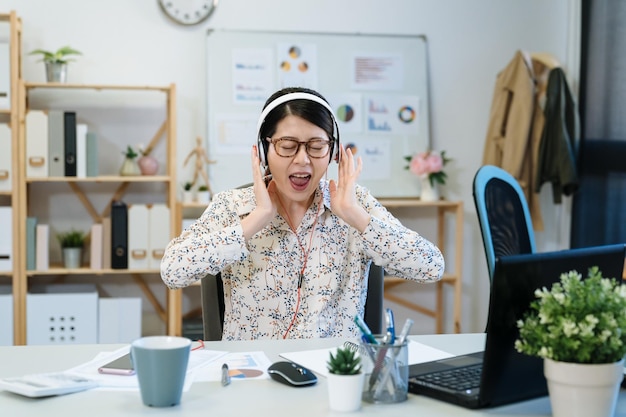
x=345, y=391
x=582, y=390
x=129, y=167
x=428, y=192
x=204, y=197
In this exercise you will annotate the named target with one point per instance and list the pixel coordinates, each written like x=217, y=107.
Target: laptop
x=502, y=375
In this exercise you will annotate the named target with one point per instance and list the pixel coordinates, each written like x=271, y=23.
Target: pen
x=391, y=328
x=365, y=330
x=225, y=375
x=405, y=330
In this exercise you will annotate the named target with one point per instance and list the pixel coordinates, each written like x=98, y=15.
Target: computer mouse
x=290, y=373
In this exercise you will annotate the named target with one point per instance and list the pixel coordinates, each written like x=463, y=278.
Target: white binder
x=36, y=144
x=6, y=238
x=159, y=233
x=138, y=236
x=81, y=150
x=42, y=245
x=6, y=176
x=95, y=248
x=56, y=137
x=5, y=75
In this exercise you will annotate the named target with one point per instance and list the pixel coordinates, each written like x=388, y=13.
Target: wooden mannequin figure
x=201, y=159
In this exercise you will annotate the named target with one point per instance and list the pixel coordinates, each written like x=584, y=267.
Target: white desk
x=240, y=398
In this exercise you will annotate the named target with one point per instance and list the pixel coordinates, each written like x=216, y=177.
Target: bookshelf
x=123, y=112
x=9, y=189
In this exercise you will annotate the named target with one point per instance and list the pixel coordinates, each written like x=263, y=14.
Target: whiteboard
x=376, y=84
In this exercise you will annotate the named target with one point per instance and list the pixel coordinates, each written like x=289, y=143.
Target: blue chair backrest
x=503, y=214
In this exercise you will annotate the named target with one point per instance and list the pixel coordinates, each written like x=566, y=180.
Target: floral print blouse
x=261, y=276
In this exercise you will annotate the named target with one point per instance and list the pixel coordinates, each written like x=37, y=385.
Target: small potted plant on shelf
x=188, y=192
x=72, y=243
x=578, y=327
x=345, y=380
x=56, y=62
x=204, y=195
x=129, y=166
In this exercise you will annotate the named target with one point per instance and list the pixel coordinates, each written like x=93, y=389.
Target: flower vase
x=148, y=165
x=578, y=390
x=429, y=192
x=129, y=167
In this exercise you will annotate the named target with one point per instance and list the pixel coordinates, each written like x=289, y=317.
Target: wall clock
x=188, y=12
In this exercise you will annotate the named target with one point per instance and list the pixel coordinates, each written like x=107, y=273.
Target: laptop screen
x=509, y=376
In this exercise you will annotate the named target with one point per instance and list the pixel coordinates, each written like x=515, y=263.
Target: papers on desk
x=197, y=360
x=204, y=365
x=241, y=366
x=316, y=359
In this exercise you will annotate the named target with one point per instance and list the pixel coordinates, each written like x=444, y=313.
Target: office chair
x=213, y=303
x=503, y=215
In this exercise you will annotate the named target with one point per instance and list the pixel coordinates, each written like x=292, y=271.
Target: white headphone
x=335, y=153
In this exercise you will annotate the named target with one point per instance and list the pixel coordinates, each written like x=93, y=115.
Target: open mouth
x=299, y=181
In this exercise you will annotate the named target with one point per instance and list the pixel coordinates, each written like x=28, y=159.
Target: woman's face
x=297, y=177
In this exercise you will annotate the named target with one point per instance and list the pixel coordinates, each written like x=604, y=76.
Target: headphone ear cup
x=261, y=151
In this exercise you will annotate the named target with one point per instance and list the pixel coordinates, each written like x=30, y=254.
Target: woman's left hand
x=343, y=192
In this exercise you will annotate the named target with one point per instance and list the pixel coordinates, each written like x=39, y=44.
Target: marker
x=225, y=375
x=367, y=333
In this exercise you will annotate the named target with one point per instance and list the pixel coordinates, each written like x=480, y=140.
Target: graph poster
x=377, y=86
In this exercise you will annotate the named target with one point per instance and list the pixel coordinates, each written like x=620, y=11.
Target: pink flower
x=435, y=163
x=426, y=163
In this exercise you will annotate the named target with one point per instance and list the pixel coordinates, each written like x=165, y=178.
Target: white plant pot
x=345, y=391
x=187, y=197
x=204, y=197
x=72, y=257
x=582, y=390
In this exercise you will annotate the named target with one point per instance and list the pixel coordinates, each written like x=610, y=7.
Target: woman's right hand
x=266, y=207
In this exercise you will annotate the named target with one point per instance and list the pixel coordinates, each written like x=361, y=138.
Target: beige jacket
x=516, y=123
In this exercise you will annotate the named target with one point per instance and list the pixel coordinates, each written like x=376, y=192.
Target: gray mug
x=161, y=364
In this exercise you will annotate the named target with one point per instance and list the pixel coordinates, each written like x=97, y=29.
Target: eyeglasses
x=288, y=147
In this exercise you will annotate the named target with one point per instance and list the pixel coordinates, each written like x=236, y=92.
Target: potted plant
x=56, y=62
x=72, y=245
x=579, y=328
x=129, y=166
x=188, y=192
x=204, y=195
x=345, y=380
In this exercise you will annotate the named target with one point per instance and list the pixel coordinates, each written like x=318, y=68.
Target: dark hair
x=310, y=111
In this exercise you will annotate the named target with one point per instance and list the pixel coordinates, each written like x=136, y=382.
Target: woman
x=294, y=249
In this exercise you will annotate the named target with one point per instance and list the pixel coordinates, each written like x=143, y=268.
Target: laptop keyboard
x=458, y=379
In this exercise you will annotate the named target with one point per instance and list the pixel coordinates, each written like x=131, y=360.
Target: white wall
x=132, y=42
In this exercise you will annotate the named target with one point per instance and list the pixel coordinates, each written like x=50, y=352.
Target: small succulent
x=130, y=153
x=344, y=362
x=72, y=239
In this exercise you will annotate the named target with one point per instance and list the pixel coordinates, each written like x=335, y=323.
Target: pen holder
x=388, y=381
